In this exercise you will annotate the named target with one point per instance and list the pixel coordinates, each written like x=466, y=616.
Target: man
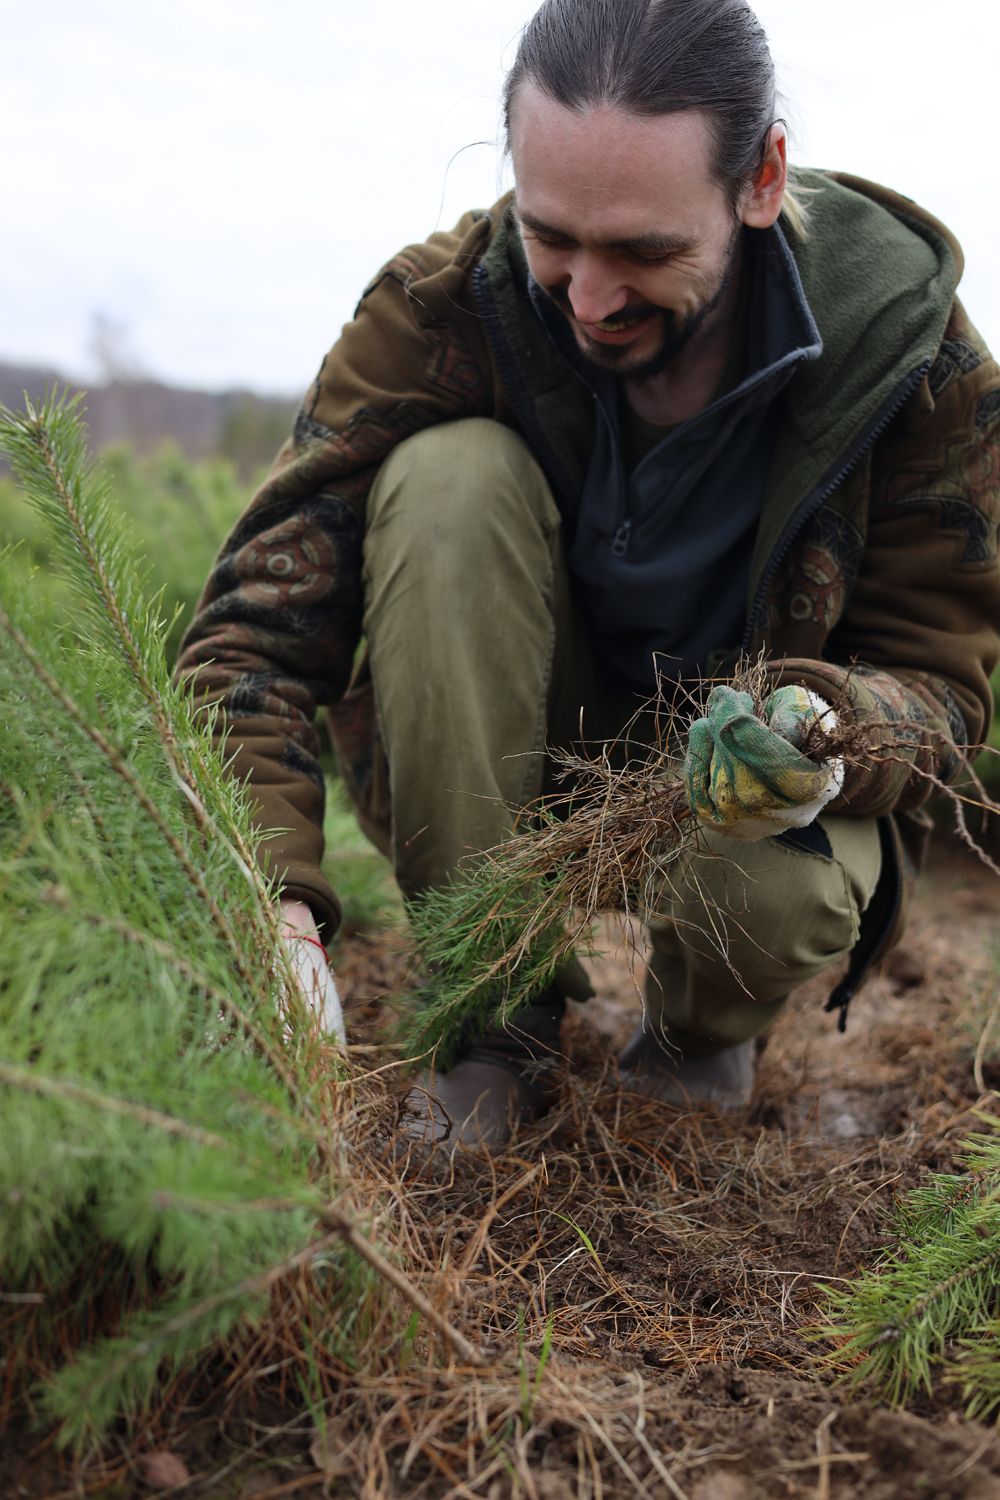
x=644, y=416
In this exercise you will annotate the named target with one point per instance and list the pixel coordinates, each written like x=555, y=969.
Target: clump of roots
x=614, y=837
x=617, y=835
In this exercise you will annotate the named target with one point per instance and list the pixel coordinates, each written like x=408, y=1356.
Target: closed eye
x=649, y=250
x=559, y=242
x=554, y=241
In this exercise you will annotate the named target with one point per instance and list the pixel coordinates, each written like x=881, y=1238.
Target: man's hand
x=746, y=776
x=308, y=960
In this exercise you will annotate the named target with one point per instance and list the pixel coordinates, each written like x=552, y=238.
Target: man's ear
x=766, y=194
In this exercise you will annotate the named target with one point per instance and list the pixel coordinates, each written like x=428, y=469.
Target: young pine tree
x=164, y=1152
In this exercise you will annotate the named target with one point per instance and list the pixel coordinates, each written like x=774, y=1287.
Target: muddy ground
x=672, y=1260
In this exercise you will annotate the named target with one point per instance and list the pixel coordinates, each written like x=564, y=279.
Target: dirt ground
x=642, y=1279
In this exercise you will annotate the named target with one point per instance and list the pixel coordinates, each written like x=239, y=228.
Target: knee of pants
x=777, y=915
x=451, y=492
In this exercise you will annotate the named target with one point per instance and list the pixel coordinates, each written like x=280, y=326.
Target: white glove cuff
x=316, y=983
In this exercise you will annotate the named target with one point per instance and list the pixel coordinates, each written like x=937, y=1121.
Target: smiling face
x=625, y=226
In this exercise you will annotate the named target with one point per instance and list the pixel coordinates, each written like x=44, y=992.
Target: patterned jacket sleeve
x=278, y=624
x=913, y=653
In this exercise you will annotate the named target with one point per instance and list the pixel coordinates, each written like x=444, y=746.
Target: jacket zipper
x=841, y=997
x=807, y=509
x=620, y=540
x=622, y=534
x=514, y=386
x=525, y=412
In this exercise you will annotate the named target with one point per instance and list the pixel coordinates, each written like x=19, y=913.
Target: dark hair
x=656, y=57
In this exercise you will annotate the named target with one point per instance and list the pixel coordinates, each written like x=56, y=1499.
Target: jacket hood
x=880, y=275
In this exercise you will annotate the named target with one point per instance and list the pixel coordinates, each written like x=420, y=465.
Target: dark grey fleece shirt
x=660, y=558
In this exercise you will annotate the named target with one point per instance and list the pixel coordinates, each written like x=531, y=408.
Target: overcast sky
x=222, y=178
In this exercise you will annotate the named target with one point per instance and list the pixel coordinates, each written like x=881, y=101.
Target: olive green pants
x=479, y=662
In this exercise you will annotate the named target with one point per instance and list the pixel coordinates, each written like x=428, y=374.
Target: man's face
x=624, y=226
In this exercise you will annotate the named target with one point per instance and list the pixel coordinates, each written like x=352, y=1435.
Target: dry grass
x=637, y=1281
x=640, y=1281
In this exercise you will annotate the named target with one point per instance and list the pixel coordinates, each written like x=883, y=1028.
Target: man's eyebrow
x=640, y=244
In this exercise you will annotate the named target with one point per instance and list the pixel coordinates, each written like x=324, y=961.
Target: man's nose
x=594, y=291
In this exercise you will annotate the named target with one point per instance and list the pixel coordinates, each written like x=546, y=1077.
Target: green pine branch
x=164, y=1098
x=937, y=1287
x=490, y=944
x=47, y=450
x=493, y=939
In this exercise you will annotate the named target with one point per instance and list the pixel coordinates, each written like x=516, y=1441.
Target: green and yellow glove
x=746, y=776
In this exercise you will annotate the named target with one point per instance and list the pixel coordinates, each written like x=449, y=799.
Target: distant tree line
x=145, y=413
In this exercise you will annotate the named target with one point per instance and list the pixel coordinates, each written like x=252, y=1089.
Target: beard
x=674, y=333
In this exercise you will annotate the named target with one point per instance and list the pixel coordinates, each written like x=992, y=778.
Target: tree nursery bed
x=647, y=1288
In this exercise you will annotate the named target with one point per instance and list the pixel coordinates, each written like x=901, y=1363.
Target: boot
x=655, y=1067
x=502, y=1080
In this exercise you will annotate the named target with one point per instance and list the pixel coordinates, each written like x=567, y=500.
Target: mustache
x=632, y=310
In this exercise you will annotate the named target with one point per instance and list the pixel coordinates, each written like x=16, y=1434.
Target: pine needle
x=936, y=1288
x=167, y=1105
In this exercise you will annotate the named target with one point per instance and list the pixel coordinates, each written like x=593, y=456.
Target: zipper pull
x=840, y=1000
x=619, y=543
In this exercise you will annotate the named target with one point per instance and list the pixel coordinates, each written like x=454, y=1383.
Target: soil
x=643, y=1279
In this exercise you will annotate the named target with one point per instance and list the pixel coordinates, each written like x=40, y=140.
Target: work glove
x=311, y=967
x=746, y=776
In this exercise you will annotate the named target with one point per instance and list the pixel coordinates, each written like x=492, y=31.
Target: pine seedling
x=491, y=946
x=492, y=940
x=936, y=1288
x=498, y=934
x=161, y=1099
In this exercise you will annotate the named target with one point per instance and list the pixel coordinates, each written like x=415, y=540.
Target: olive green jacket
x=875, y=576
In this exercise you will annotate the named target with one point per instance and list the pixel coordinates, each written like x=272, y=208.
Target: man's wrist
x=298, y=917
